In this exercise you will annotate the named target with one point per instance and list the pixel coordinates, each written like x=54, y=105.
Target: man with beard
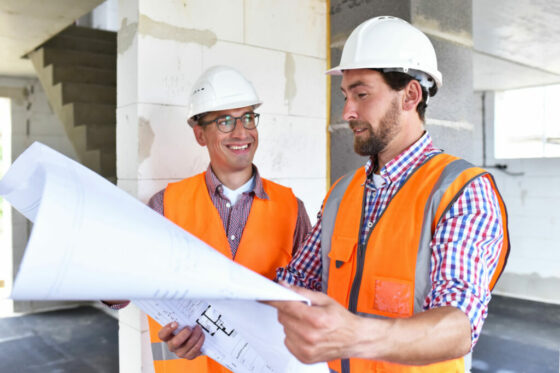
x=407, y=248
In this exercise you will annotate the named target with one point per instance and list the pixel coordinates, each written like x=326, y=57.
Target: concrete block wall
x=451, y=117
x=530, y=191
x=6, y=268
x=163, y=48
x=32, y=120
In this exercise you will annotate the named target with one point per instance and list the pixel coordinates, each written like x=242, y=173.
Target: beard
x=377, y=139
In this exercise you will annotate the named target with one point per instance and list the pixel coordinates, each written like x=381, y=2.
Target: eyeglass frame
x=256, y=120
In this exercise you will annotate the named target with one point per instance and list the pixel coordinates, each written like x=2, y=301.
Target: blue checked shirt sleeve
x=305, y=268
x=465, y=251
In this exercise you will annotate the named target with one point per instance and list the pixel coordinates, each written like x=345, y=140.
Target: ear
x=412, y=95
x=199, y=135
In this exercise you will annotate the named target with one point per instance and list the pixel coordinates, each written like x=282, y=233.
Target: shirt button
x=228, y=205
x=232, y=237
x=370, y=224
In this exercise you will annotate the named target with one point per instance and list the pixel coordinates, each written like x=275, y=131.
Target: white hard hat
x=391, y=44
x=220, y=88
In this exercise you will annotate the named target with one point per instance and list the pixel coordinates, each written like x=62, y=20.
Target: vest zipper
x=355, y=289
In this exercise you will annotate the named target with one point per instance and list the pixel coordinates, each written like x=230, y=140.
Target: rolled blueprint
x=91, y=240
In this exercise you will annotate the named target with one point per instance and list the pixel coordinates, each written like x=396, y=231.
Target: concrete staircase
x=78, y=70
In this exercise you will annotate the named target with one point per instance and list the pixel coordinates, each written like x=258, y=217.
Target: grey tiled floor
x=82, y=339
x=518, y=337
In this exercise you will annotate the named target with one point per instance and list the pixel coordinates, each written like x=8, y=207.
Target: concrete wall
x=530, y=189
x=6, y=306
x=32, y=120
x=451, y=117
x=163, y=47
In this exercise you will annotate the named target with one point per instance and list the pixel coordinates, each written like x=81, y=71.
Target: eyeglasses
x=227, y=123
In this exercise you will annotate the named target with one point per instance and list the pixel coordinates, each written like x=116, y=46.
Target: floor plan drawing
x=211, y=321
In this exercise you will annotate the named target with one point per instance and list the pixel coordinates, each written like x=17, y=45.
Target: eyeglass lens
x=227, y=123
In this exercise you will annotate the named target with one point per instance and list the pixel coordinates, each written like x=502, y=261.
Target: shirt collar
x=215, y=185
x=408, y=158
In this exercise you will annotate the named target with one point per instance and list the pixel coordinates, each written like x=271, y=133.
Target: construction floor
x=518, y=337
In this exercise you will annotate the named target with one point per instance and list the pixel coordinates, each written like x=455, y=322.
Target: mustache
x=358, y=124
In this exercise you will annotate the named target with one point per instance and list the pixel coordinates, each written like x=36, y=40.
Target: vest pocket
x=388, y=297
x=341, y=268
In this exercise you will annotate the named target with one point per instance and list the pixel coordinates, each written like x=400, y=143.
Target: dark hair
x=398, y=80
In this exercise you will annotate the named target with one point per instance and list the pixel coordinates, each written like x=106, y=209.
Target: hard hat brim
x=436, y=75
x=255, y=104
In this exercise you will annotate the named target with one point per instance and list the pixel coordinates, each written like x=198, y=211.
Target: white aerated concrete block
x=129, y=10
x=133, y=317
x=291, y=147
x=289, y=25
x=134, y=341
x=129, y=185
x=167, y=143
x=311, y=191
x=306, y=86
x=168, y=70
x=127, y=64
x=263, y=67
x=223, y=18
x=147, y=188
x=130, y=348
x=127, y=142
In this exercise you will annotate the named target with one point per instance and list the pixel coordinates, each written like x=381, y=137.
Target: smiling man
x=406, y=248
x=253, y=221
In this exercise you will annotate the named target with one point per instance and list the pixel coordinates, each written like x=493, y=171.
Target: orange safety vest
x=389, y=276
x=265, y=245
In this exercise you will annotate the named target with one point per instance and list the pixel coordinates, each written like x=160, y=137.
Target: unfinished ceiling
x=25, y=24
x=516, y=43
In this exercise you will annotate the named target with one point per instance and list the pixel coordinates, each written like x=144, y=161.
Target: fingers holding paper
x=186, y=343
x=323, y=331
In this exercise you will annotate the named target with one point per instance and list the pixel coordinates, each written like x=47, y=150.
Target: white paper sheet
x=91, y=240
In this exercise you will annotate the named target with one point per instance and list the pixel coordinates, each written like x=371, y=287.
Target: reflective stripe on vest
x=273, y=221
x=426, y=195
x=160, y=351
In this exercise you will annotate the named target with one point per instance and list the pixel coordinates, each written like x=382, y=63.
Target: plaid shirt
x=465, y=246
x=235, y=217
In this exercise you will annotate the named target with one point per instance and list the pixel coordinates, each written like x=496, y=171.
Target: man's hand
x=323, y=331
x=186, y=343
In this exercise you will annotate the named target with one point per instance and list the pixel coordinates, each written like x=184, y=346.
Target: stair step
x=88, y=32
x=77, y=74
x=91, y=113
x=64, y=57
x=79, y=43
x=94, y=93
x=101, y=136
x=109, y=163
